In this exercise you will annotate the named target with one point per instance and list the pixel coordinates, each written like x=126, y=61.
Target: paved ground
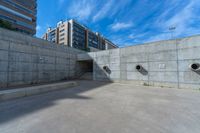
x=97, y=107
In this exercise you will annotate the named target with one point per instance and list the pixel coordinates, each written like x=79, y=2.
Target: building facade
x=20, y=14
x=78, y=36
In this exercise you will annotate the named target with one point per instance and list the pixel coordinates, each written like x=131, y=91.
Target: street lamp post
x=172, y=29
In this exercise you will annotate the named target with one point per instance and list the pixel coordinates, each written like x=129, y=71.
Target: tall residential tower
x=20, y=14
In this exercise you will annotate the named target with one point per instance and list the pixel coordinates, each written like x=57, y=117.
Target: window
x=61, y=39
x=62, y=30
x=19, y=7
x=62, y=34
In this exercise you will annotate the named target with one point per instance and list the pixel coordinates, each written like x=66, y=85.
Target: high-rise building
x=20, y=14
x=78, y=36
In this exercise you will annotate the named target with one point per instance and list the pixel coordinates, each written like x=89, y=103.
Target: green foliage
x=6, y=24
x=145, y=84
x=86, y=49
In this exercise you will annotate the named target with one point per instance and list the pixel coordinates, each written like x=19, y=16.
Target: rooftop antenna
x=172, y=30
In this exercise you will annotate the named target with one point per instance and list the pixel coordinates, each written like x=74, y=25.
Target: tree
x=6, y=24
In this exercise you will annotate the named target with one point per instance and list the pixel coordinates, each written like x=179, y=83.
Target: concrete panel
x=101, y=74
x=82, y=57
x=131, y=67
x=137, y=58
x=48, y=59
x=161, y=46
x=3, y=79
x=61, y=54
x=115, y=75
x=49, y=67
x=114, y=66
x=189, y=77
x=163, y=66
x=123, y=66
x=3, y=66
x=123, y=75
x=189, y=42
x=103, y=53
x=62, y=61
x=136, y=76
x=163, y=56
x=41, y=67
x=20, y=67
x=139, y=49
x=61, y=67
x=114, y=53
x=46, y=52
x=3, y=55
x=4, y=45
x=45, y=76
x=163, y=77
x=21, y=77
x=114, y=59
x=20, y=47
x=35, y=58
x=103, y=60
x=190, y=53
x=19, y=57
x=184, y=64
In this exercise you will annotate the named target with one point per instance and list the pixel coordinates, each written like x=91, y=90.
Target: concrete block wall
x=166, y=63
x=28, y=60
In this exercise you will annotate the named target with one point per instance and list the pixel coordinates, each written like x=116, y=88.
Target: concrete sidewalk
x=28, y=91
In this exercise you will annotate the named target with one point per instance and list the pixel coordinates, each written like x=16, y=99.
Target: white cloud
x=164, y=36
x=121, y=25
x=182, y=20
x=38, y=28
x=81, y=10
x=136, y=36
x=103, y=11
x=131, y=36
x=110, y=8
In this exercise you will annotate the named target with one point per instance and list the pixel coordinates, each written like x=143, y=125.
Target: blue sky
x=125, y=22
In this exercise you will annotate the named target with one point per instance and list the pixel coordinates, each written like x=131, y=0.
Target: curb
x=35, y=90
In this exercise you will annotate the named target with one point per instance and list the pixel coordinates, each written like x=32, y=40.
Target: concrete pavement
x=98, y=107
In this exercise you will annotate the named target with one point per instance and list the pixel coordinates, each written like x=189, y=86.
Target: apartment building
x=76, y=35
x=20, y=14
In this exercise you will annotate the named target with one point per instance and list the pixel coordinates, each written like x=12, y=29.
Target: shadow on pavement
x=13, y=109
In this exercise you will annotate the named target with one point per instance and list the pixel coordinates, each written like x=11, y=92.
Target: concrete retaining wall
x=166, y=63
x=28, y=60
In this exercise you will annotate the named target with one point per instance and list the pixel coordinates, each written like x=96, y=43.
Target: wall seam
x=177, y=57
x=8, y=66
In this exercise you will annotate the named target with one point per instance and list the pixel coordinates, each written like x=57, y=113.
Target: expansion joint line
x=8, y=66
x=177, y=62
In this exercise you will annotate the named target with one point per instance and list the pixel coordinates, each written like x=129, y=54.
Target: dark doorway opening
x=85, y=69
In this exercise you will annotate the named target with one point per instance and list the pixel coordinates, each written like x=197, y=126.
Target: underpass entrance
x=86, y=69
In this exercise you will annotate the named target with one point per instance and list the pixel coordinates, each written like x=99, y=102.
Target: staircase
x=87, y=76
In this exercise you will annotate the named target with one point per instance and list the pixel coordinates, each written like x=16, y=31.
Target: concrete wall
x=27, y=60
x=166, y=63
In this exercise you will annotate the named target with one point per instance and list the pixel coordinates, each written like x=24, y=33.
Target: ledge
x=28, y=91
